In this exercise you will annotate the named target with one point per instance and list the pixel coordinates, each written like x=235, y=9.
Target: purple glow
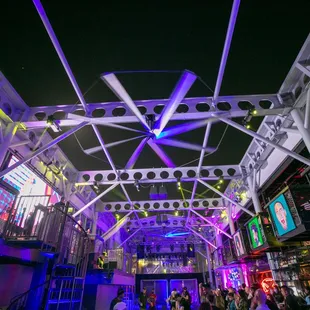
x=183, y=145
x=134, y=157
x=176, y=97
x=161, y=154
x=177, y=130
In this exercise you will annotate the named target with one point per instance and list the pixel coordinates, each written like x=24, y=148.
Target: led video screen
x=255, y=233
x=281, y=216
x=239, y=244
x=27, y=183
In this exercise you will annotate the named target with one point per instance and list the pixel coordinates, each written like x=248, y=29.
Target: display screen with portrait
x=281, y=216
x=255, y=233
x=239, y=244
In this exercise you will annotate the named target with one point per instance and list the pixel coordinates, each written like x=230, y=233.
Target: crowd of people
x=252, y=298
x=246, y=298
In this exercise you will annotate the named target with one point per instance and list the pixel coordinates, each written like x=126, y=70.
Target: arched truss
x=277, y=137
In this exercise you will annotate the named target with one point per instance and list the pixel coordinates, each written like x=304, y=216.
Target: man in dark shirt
x=290, y=301
x=187, y=299
x=118, y=298
x=143, y=299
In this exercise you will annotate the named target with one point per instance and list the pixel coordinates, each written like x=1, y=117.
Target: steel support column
x=254, y=196
x=230, y=220
x=299, y=121
x=307, y=112
x=209, y=265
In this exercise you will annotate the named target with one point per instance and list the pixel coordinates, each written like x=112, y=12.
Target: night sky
x=101, y=36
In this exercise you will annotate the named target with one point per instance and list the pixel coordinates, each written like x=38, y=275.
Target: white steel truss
x=285, y=126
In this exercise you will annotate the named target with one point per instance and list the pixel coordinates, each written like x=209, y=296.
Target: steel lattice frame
x=277, y=136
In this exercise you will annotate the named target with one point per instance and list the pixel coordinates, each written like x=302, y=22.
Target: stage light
x=179, y=185
x=199, y=228
x=218, y=186
x=248, y=126
x=165, y=270
x=145, y=213
x=137, y=185
x=117, y=216
x=176, y=213
x=96, y=187
x=221, y=180
x=53, y=124
x=153, y=192
x=243, y=195
x=162, y=194
x=253, y=111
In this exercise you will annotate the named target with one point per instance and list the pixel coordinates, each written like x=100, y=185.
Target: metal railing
x=54, y=232
x=19, y=302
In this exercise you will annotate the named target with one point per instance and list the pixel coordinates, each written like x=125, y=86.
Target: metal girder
x=198, y=108
x=157, y=175
x=163, y=205
x=200, y=236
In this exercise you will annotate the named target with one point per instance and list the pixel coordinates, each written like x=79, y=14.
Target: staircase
x=62, y=240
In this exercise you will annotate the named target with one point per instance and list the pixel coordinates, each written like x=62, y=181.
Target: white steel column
x=95, y=220
x=209, y=265
x=230, y=220
x=8, y=136
x=254, y=196
x=219, y=241
x=299, y=121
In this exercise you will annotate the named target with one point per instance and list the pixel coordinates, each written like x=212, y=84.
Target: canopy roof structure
x=197, y=197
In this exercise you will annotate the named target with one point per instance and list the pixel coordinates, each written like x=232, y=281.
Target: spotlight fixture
x=253, y=111
x=145, y=213
x=153, y=192
x=247, y=119
x=96, y=187
x=117, y=216
x=218, y=186
x=53, y=124
x=162, y=193
x=221, y=180
x=176, y=213
x=179, y=185
x=137, y=185
x=128, y=229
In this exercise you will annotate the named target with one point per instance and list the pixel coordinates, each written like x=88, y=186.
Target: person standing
x=290, y=301
x=152, y=300
x=119, y=298
x=231, y=301
x=143, y=299
x=187, y=299
x=307, y=293
x=260, y=300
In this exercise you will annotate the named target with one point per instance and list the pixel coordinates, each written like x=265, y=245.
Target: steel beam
x=115, y=228
x=109, y=177
x=307, y=111
x=200, y=236
x=128, y=238
x=94, y=200
x=164, y=205
x=212, y=224
x=7, y=139
x=184, y=145
x=59, y=51
x=225, y=197
x=42, y=149
x=265, y=140
x=198, y=108
x=183, y=86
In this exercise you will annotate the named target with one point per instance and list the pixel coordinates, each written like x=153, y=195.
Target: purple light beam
x=180, y=91
x=161, y=154
x=135, y=155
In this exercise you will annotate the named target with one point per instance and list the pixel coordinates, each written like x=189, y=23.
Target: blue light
x=171, y=235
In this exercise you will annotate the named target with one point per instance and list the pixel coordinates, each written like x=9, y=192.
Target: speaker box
x=140, y=252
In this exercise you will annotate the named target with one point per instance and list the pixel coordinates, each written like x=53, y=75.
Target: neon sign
x=268, y=284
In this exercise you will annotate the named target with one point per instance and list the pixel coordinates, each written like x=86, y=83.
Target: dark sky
x=99, y=36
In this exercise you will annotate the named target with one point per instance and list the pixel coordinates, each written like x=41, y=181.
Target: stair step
x=63, y=301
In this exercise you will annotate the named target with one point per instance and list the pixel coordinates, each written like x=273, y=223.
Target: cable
x=218, y=145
